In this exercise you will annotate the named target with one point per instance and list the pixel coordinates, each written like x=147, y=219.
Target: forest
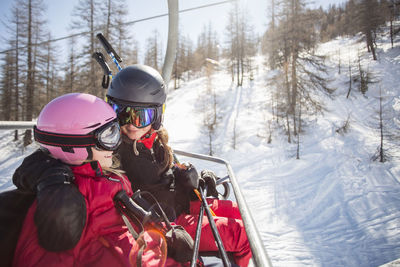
x=32, y=73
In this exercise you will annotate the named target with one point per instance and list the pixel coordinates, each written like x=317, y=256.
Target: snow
x=332, y=207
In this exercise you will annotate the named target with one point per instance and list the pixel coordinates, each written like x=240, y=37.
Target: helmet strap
x=63, y=140
x=90, y=153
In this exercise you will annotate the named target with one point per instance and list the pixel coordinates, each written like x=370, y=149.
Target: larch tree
x=240, y=38
x=16, y=27
x=153, y=54
x=86, y=17
x=71, y=68
x=302, y=69
x=34, y=34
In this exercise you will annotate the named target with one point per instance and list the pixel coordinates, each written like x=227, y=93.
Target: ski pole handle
x=107, y=77
x=110, y=50
x=99, y=57
x=132, y=206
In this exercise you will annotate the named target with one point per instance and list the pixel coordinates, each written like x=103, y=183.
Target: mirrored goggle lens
x=110, y=137
x=139, y=117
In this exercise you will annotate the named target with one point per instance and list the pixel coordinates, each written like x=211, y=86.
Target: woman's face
x=134, y=133
x=104, y=157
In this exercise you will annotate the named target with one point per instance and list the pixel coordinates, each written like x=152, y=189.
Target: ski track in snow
x=333, y=206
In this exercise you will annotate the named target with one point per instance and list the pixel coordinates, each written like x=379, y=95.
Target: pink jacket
x=105, y=240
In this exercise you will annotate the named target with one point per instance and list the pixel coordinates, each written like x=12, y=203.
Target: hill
x=332, y=207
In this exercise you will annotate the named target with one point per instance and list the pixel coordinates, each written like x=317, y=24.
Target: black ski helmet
x=139, y=85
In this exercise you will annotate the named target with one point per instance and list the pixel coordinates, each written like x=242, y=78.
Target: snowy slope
x=333, y=206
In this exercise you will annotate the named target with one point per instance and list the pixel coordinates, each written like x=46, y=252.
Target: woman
x=137, y=94
x=82, y=131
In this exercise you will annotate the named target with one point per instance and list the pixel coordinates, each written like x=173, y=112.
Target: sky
x=332, y=207
x=59, y=15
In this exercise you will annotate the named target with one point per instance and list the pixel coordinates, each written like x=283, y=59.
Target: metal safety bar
x=260, y=256
x=17, y=125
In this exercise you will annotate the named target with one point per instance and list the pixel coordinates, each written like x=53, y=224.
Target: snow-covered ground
x=333, y=206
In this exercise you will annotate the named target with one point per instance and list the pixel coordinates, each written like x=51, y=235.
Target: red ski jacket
x=105, y=240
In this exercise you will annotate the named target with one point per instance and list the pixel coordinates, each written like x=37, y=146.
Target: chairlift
x=260, y=257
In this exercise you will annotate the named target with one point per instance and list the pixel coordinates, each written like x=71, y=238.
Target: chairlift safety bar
x=17, y=125
x=260, y=256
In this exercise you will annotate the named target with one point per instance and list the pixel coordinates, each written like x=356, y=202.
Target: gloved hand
x=180, y=244
x=210, y=179
x=60, y=215
x=186, y=175
x=37, y=167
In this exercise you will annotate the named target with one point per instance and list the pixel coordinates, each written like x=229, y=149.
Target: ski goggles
x=139, y=117
x=107, y=137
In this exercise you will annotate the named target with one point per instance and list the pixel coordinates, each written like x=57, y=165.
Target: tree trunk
x=92, y=85
x=298, y=134
x=30, y=80
x=391, y=29
x=294, y=90
x=16, y=72
x=370, y=44
x=288, y=128
x=381, y=154
x=350, y=81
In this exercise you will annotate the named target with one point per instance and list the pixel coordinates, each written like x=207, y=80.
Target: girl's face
x=104, y=157
x=134, y=133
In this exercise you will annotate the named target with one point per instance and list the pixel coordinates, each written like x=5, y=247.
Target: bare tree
x=7, y=84
x=240, y=42
x=86, y=17
x=71, y=69
x=34, y=24
x=209, y=112
x=153, y=55
x=207, y=47
x=302, y=69
x=115, y=30
x=16, y=27
x=381, y=153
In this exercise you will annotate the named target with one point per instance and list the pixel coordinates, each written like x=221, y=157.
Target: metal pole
x=16, y=125
x=173, y=18
x=260, y=255
x=197, y=237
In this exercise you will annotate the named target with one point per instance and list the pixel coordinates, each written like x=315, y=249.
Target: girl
x=82, y=131
x=137, y=94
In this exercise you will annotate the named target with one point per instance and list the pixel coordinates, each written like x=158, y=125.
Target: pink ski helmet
x=70, y=124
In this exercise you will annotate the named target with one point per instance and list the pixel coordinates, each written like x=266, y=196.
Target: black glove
x=210, y=179
x=31, y=172
x=180, y=244
x=186, y=176
x=60, y=214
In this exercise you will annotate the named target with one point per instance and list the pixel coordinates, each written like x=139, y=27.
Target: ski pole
x=110, y=50
x=197, y=237
x=214, y=229
x=107, y=77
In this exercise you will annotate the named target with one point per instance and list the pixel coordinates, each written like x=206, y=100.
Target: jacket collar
x=92, y=169
x=147, y=140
